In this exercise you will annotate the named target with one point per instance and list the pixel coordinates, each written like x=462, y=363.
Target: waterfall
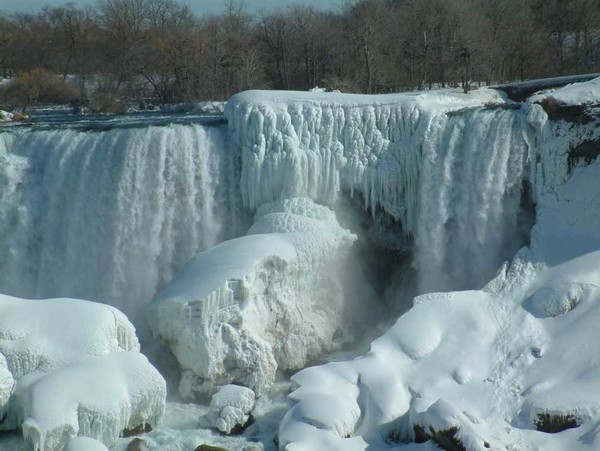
x=470, y=217
x=110, y=215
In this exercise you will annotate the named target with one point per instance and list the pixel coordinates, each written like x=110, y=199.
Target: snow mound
x=84, y=444
x=586, y=93
x=210, y=107
x=268, y=300
x=557, y=299
x=474, y=367
x=230, y=407
x=72, y=368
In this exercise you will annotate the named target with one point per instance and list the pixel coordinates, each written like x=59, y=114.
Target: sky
x=198, y=6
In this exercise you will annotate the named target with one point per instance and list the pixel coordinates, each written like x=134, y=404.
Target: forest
x=160, y=51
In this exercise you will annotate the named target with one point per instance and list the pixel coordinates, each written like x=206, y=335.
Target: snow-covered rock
x=84, y=444
x=268, y=300
x=5, y=116
x=230, y=407
x=72, y=368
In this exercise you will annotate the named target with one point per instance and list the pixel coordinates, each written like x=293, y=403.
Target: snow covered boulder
x=84, y=444
x=230, y=408
x=271, y=299
x=5, y=116
x=557, y=299
x=76, y=369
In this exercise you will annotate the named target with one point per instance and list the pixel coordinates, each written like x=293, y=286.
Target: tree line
x=160, y=50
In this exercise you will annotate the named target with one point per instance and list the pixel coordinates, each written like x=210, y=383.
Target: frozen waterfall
x=448, y=166
x=109, y=215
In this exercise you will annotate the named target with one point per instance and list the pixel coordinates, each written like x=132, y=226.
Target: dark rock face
x=209, y=448
x=575, y=114
x=556, y=423
x=587, y=152
x=520, y=91
x=445, y=439
x=137, y=444
x=141, y=429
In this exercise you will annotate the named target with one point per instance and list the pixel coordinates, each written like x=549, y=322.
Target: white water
x=110, y=215
x=472, y=171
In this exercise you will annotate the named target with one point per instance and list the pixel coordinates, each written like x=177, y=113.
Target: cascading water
x=470, y=220
x=110, y=215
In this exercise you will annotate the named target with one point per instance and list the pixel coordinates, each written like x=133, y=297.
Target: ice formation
x=268, y=300
x=110, y=215
x=449, y=166
x=230, y=407
x=495, y=368
x=71, y=368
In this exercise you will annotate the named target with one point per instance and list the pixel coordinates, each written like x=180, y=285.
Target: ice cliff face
x=449, y=167
x=109, y=215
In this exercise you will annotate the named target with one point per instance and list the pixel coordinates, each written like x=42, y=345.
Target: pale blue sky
x=198, y=6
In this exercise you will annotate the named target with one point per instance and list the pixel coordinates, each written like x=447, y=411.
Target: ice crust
x=449, y=166
x=268, y=300
x=73, y=367
x=586, y=93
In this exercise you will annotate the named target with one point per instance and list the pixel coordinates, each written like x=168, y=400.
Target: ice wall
x=109, y=215
x=449, y=166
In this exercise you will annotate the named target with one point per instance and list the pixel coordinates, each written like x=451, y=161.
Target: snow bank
x=586, y=93
x=76, y=369
x=415, y=155
x=84, y=444
x=271, y=299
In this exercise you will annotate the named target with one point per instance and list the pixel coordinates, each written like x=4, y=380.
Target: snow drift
x=72, y=367
x=266, y=301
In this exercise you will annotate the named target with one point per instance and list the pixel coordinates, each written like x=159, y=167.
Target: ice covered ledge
x=70, y=367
